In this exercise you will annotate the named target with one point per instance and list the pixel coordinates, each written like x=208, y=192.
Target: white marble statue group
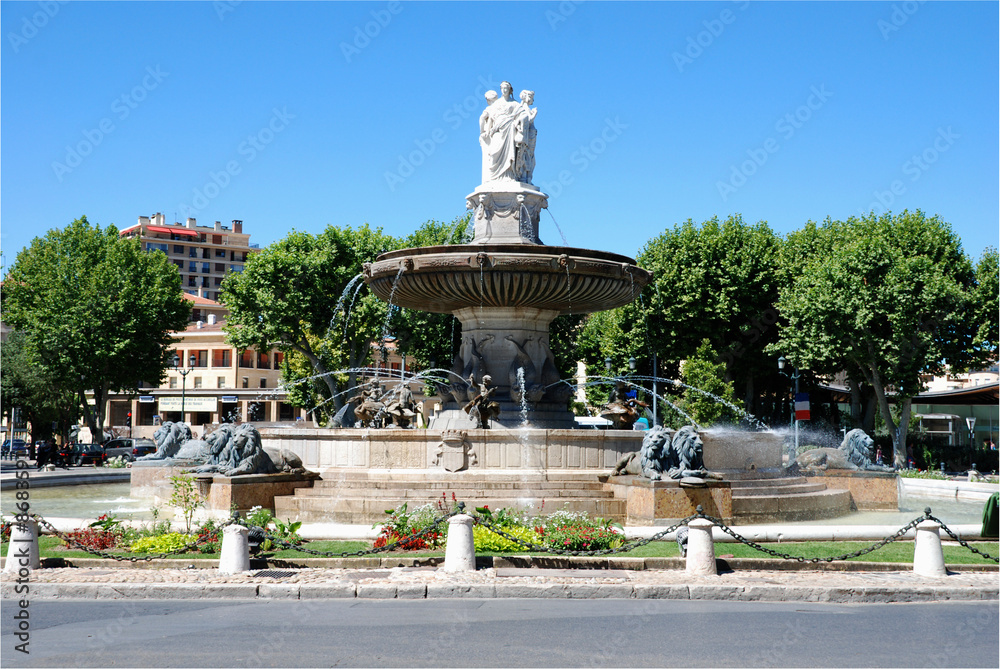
x=507, y=135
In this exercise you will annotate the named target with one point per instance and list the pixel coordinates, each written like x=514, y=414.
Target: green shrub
x=486, y=539
x=163, y=543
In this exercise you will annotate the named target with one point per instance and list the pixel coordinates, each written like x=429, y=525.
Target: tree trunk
x=88, y=417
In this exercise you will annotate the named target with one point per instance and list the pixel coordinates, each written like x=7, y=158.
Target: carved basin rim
x=445, y=279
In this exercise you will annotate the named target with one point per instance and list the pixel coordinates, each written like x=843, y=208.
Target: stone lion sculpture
x=666, y=454
x=237, y=450
x=855, y=454
x=173, y=440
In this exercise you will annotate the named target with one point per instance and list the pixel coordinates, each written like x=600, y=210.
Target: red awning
x=172, y=231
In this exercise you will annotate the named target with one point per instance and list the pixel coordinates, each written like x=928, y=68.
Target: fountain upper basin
x=445, y=279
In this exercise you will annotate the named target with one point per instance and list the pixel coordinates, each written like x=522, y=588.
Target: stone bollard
x=928, y=556
x=22, y=551
x=234, y=557
x=460, y=550
x=701, y=550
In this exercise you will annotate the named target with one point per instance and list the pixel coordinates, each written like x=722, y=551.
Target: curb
x=302, y=591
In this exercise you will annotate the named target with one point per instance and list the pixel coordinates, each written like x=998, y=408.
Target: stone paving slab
x=423, y=583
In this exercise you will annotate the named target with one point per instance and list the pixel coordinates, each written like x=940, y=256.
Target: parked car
x=87, y=454
x=13, y=448
x=129, y=448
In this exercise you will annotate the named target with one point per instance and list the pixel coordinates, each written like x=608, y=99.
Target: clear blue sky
x=648, y=113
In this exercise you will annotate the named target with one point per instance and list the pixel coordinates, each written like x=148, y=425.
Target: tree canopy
x=96, y=311
x=888, y=299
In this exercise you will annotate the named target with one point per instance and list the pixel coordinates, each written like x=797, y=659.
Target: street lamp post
x=191, y=363
x=794, y=376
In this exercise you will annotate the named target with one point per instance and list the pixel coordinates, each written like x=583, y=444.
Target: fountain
x=505, y=434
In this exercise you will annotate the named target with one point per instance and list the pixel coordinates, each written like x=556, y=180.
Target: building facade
x=203, y=254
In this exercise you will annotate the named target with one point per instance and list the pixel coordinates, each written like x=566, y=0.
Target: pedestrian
x=43, y=453
x=878, y=455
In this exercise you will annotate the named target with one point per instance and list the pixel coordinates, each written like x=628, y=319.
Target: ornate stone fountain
x=506, y=287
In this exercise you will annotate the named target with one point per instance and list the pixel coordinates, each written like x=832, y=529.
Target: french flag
x=802, y=406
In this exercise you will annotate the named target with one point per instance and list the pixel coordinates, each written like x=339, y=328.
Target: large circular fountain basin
x=445, y=279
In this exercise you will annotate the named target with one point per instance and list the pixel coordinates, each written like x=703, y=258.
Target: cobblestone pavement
x=427, y=582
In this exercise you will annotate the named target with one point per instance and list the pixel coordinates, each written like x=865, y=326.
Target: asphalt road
x=501, y=632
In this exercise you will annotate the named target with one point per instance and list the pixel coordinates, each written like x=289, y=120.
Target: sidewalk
x=431, y=582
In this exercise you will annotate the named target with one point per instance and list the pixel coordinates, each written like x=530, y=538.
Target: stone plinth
x=870, y=491
x=665, y=502
x=740, y=454
x=221, y=493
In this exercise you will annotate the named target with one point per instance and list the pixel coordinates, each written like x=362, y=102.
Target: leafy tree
x=96, y=310
x=705, y=371
x=287, y=297
x=716, y=281
x=30, y=387
x=893, y=298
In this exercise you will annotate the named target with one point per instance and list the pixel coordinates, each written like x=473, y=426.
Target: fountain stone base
x=665, y=502
x=151, y=480
x=870, y=491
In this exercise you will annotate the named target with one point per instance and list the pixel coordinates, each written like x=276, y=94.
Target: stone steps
x=827, y=503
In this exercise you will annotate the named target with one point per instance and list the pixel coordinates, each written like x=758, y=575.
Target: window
x=216, y=239
x=192, y=282
x=220, y=253
x=220, y=267
x=236, y=268
x=263, y=383
x=206, y=267
x=197, y=382
x=173, y=381
x=218, y=281
x=156, y=247
x=220, y=382
x=196, y=314
x=201, y=358
x=180, y=264
x=279, y=357
x=178, y=249
x=222, y=358
x=246, y=360
x=193, y=252
x=192, y=266
x=263, y=362
x=246, y=381
x=206, y=253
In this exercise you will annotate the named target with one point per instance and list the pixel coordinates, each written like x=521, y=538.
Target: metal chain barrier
x=130, y=558
x=928, y=516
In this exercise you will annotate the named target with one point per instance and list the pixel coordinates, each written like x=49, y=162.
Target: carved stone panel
x=454, y=453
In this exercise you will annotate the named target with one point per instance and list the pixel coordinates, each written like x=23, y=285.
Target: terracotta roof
x=202, y=301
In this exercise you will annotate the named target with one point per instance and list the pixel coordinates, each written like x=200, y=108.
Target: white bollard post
x=460, y=550
x=928, y=556
x=234, y=557
x=701, y=550
x=22, y=551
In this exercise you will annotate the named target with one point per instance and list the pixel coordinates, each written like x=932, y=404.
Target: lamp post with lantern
x=192, y=360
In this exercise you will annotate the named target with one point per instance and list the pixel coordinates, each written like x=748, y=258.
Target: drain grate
x=273, y=573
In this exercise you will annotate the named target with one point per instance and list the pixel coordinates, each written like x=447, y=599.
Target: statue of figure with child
x=507, y=135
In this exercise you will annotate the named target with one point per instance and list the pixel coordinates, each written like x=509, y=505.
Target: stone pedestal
x=870, y=491
x=22, y=551
x=221, y=493
x=666, y=502
x=460, y=551
x=234, y=556
x=928, y=556
x=506, y=212
x=700, y=548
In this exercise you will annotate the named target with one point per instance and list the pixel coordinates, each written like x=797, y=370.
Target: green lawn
x=900, y=551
